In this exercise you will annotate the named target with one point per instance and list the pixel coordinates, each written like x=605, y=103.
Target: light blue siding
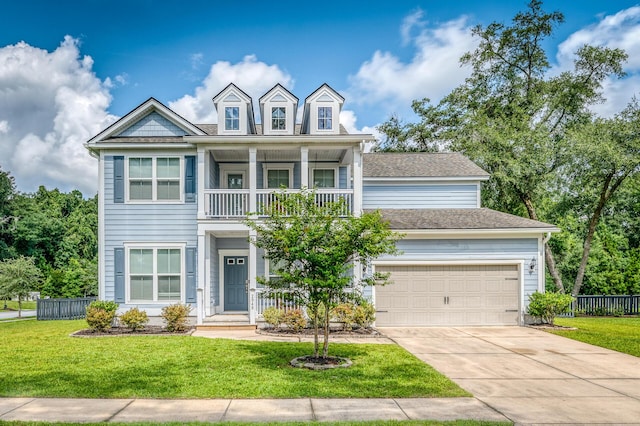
x=142, y=223
x=153, y=125
x=214, y=174
x=437, y=196
x=470, y=250
x=297, y=180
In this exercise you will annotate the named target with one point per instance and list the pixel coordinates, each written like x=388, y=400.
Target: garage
x=448, y=295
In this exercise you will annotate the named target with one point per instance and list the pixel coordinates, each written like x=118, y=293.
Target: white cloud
x=409, y=23
x=250, y=75
x=51, y=103
x=621, y=30
x=432, y=72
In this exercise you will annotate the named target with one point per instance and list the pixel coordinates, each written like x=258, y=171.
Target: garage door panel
x=441, y=295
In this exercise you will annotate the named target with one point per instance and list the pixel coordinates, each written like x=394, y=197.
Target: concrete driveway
x=531, y=376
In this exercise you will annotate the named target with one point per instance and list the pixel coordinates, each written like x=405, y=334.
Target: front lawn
x=619, y=334
x=40, y=359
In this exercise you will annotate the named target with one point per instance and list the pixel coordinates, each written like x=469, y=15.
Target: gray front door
x=235, y=283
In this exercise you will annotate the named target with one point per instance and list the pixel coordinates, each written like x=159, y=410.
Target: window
x=271, y=269
x=277, y=178
x=324, y=178
x=278, y=121
x=155, y=274
x=325, y=119
x=154, y=179
x=232, y=118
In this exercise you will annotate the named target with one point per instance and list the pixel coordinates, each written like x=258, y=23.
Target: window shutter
x=118, y=280
x=118, y=179
x=190, y=179
x=191, y=277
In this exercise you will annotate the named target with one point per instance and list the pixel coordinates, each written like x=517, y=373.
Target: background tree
x=511, y=116
x=314, y=249
x=18, y=278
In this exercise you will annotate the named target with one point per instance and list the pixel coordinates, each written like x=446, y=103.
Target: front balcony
x=235, y=203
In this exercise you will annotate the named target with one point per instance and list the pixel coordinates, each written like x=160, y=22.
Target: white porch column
x=201, y=182
x=253, y=180
x=357, y=180
x=253, y=261
x=304, y=167
x=201, y=268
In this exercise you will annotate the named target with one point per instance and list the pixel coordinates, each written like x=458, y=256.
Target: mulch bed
x=154, y=330
x=319, y=363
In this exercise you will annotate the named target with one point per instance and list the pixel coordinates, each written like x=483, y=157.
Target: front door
x=235, y=283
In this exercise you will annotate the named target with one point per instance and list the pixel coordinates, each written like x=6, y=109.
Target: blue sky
x=70, y=68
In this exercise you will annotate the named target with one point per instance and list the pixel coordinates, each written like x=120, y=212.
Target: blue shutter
x=118, y=278
x=190, y=179
x=118, y=179
x=191, y=277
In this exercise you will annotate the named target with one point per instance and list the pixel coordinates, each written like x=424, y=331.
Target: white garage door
x=443, y=295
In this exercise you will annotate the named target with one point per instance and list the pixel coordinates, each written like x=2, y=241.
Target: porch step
x=226, y=326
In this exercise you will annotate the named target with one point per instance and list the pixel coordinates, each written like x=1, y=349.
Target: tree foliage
x=531, y=129
x=18, y=278
x=315, y=248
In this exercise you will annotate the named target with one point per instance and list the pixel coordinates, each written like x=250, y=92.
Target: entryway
x=236, y=272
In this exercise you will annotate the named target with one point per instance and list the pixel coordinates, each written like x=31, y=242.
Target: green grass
x=619, y=334
x=40, y=359
x=12, y=305
x=363, y=423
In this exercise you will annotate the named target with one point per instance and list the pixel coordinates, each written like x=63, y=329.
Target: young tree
x=314, y=249
x=18, y=277
x=511, y=116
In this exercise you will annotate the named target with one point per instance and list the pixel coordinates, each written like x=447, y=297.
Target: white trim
x=276, y=166
x=154, y=179
x=221, y=254
x=226, y=169
x=155, y=246
x=478, y=196
x=101, y=229
x=466, y=262
x=319, y=166
x=474, y=233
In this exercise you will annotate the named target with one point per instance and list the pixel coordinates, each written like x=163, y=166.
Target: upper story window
x=324, y=178
x=277, y=178
x=278, y=118
x=232, y=118
x=155, y=274
x=325, y=118
x=154, y=179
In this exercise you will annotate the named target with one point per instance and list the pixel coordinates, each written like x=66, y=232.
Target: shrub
x=364, y=314
x=273, y=316
x=175, y=317
x=134, y=319
x=100, y=314
x=546, y=306
x=344, y=313
x=295, y=320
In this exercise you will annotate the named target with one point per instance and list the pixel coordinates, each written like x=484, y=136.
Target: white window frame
x=284, y=118
x=336, y=176
x=154, y=180
x=233, y=169
x=325, y=129
x=276, y=166
x=155, y=247
x=225, y=118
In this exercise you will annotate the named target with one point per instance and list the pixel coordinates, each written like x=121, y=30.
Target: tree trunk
x=605, y=194
x=19, y=307
x=325, y=346
x=316, y=344
x=548, y=254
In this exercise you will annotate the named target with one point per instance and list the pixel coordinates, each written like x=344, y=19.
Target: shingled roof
x=420, y=164
x=450, y=219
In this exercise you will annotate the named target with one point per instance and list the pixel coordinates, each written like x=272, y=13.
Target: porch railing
x=264, y=301
x=234, y=203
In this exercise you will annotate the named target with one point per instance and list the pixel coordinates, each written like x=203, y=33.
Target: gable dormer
x=321, y=114
x=278, y=109
x=235, y=112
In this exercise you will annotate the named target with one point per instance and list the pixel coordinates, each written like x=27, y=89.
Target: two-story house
x=173, y=197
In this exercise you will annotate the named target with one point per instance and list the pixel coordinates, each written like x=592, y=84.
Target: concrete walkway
x=530, y=376
x=14, y=314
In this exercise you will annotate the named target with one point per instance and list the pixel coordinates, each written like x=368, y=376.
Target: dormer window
x=232, y=118
x=325, y=118
x=278, y=118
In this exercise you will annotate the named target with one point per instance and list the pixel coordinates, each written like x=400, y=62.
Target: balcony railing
x=234, y=203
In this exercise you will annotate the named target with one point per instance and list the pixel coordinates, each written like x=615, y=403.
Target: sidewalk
x=243, y=410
